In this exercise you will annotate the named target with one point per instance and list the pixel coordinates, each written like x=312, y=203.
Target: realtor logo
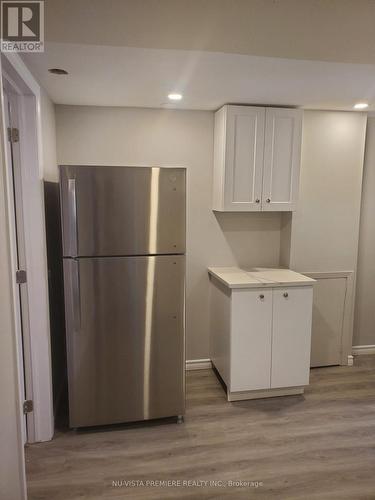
x=22, y=26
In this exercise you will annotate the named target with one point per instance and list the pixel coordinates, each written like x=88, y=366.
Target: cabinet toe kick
x=265, y=393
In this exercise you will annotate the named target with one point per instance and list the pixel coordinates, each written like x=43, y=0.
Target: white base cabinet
x=260, y=338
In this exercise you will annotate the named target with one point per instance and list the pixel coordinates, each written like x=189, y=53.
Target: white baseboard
x=198, y=364
x=363, y=349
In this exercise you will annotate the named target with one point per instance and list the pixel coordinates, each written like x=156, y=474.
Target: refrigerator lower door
x=125, y=338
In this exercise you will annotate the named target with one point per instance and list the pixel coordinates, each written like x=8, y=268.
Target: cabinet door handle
x=257, y=200
x=261, y=296
x=286, y=295
x=268, y=200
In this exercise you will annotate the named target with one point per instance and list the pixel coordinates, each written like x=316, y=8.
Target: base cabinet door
x=250, y=347
x=291, y=336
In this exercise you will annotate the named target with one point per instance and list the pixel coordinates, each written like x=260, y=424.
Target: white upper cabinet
x=238, y=158
x=282, y=155
x=256, y=158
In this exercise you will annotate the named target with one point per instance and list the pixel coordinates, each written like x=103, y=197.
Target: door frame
x=36, y=349
x=18, y=253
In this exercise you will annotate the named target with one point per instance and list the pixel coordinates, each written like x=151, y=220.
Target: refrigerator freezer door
x=110, y=211
x=125, y=338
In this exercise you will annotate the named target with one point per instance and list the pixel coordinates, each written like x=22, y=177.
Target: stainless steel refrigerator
x=124, y=282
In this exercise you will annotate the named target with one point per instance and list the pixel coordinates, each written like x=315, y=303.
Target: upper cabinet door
x=282, y=154
x=238, y=162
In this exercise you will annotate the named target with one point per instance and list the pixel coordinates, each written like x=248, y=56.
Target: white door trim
x=13, y=481
x=38, y=373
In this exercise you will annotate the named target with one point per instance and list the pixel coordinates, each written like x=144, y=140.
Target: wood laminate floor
x=317, y=446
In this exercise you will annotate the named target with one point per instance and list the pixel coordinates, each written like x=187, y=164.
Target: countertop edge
x=271, y=284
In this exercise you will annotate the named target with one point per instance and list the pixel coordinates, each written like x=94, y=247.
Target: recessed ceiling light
x=58, y=71
x=361, y=105
x=175, y=97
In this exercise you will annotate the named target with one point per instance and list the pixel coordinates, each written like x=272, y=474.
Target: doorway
x=18, y=254
x=25, y=207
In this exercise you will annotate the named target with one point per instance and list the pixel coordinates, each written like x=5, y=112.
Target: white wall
x=48, y=122
x=325, y=227
x=322, y=235
x=11, y=447
x=134, y=136
x=364, y=324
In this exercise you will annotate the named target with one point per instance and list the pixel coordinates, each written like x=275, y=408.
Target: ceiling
x=325, y=30
x=129, y=76
x=308, y=53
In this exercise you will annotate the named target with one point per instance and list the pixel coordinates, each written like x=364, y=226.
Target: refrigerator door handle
x=72, y=202
x=76, y=296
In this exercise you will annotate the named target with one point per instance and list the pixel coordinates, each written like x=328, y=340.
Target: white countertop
x=259, y=277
